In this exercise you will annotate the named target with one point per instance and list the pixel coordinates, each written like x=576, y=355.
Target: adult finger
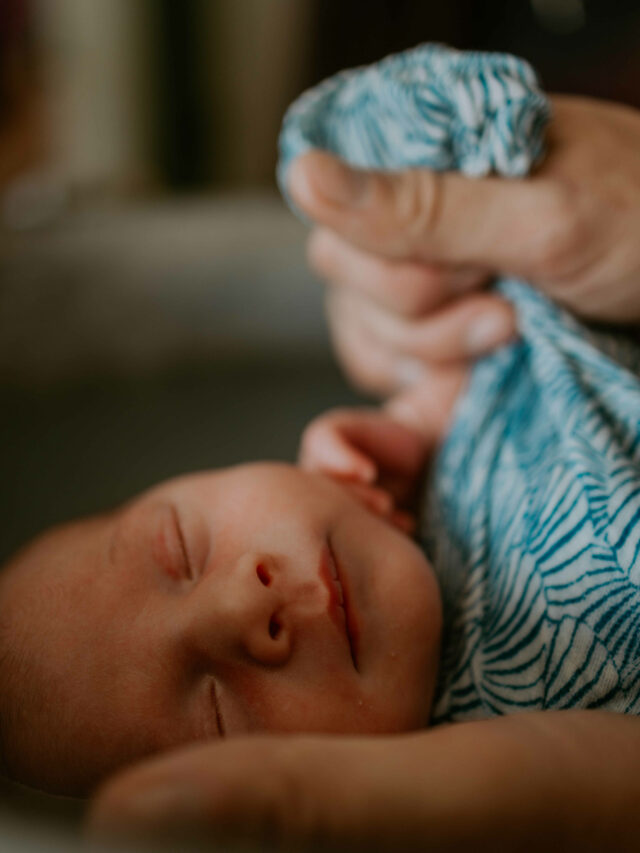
x=246, y=789
x=433, y=217
x=373, y=368
x=205, y=793
x=266, y=791
x=405, y=287
x=463, y=329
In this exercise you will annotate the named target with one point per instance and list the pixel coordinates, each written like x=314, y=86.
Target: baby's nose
x=238, y=611
x=263, y=628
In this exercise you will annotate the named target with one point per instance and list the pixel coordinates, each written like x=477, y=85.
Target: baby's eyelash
x=216, y=706
x=183, y=545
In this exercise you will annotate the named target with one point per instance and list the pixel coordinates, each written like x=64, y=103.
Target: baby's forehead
x=48, y=583
x=51, y=552
x=51, y=623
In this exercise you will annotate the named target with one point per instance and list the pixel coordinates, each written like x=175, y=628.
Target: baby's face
x=211, y=607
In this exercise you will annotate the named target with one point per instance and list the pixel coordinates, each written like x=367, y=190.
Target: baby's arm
x=380, y=453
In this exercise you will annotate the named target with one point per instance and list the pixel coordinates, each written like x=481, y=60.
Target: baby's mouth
x=339, y=607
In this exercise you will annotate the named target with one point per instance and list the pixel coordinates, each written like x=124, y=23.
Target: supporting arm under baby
x=565, y=780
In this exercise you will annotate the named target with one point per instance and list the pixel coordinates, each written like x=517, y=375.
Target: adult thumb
x=418, y=214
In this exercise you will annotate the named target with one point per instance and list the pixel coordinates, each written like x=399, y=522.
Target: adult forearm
x=531, y=782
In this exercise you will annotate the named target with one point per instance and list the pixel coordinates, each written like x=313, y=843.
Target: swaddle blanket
x=532, y=506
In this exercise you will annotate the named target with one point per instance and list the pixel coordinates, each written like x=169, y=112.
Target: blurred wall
x=184, y=95
x=95, y=64
x=258, y=62
x=145, y=94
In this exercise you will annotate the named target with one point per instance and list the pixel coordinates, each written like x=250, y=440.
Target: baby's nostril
x=274, y=627
x=263, y=575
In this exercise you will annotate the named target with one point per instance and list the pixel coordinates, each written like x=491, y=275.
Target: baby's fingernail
x=409, y=371
x=381, y=501
x=488, y=331
x=404, y=521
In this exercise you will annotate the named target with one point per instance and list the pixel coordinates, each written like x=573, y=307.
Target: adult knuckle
x=295, y=809
x=417, y=204
x=366, y=375
x=417, y=291
x=564, y=229
x=359, y=355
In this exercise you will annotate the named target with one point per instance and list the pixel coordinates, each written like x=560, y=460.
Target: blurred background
x=156, y=315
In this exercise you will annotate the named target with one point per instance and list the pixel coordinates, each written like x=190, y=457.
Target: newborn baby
x=258, y=598
x=270, y=598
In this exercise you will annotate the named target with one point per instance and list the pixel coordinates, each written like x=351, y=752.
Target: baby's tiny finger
x=404, y=521
x=324, y=449
x=379, y=501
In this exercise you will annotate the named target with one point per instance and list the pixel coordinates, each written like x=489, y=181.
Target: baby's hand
x=378, y=458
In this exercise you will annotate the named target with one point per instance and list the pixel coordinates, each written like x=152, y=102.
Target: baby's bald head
x=258, y=598
x=41, y=645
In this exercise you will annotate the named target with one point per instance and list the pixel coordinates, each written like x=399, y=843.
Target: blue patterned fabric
x=430, y=106
x=532, y=506
x=533, y=523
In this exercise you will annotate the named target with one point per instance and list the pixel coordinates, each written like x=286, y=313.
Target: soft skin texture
x=205, y=608
x=407, y=254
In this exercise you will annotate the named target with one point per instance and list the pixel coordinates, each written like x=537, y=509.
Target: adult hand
x=408, y=252
x=566, y=780
x=282, y=791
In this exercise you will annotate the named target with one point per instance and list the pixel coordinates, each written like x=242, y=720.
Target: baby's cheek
x=294, y=703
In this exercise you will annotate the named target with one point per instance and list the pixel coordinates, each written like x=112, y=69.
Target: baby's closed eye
x=169, y=546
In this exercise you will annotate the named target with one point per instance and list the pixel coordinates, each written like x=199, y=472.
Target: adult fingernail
x=488, y=331
x=409, y=371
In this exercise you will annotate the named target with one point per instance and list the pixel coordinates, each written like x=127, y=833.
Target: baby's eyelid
x=216, y=706
x=183, y=544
